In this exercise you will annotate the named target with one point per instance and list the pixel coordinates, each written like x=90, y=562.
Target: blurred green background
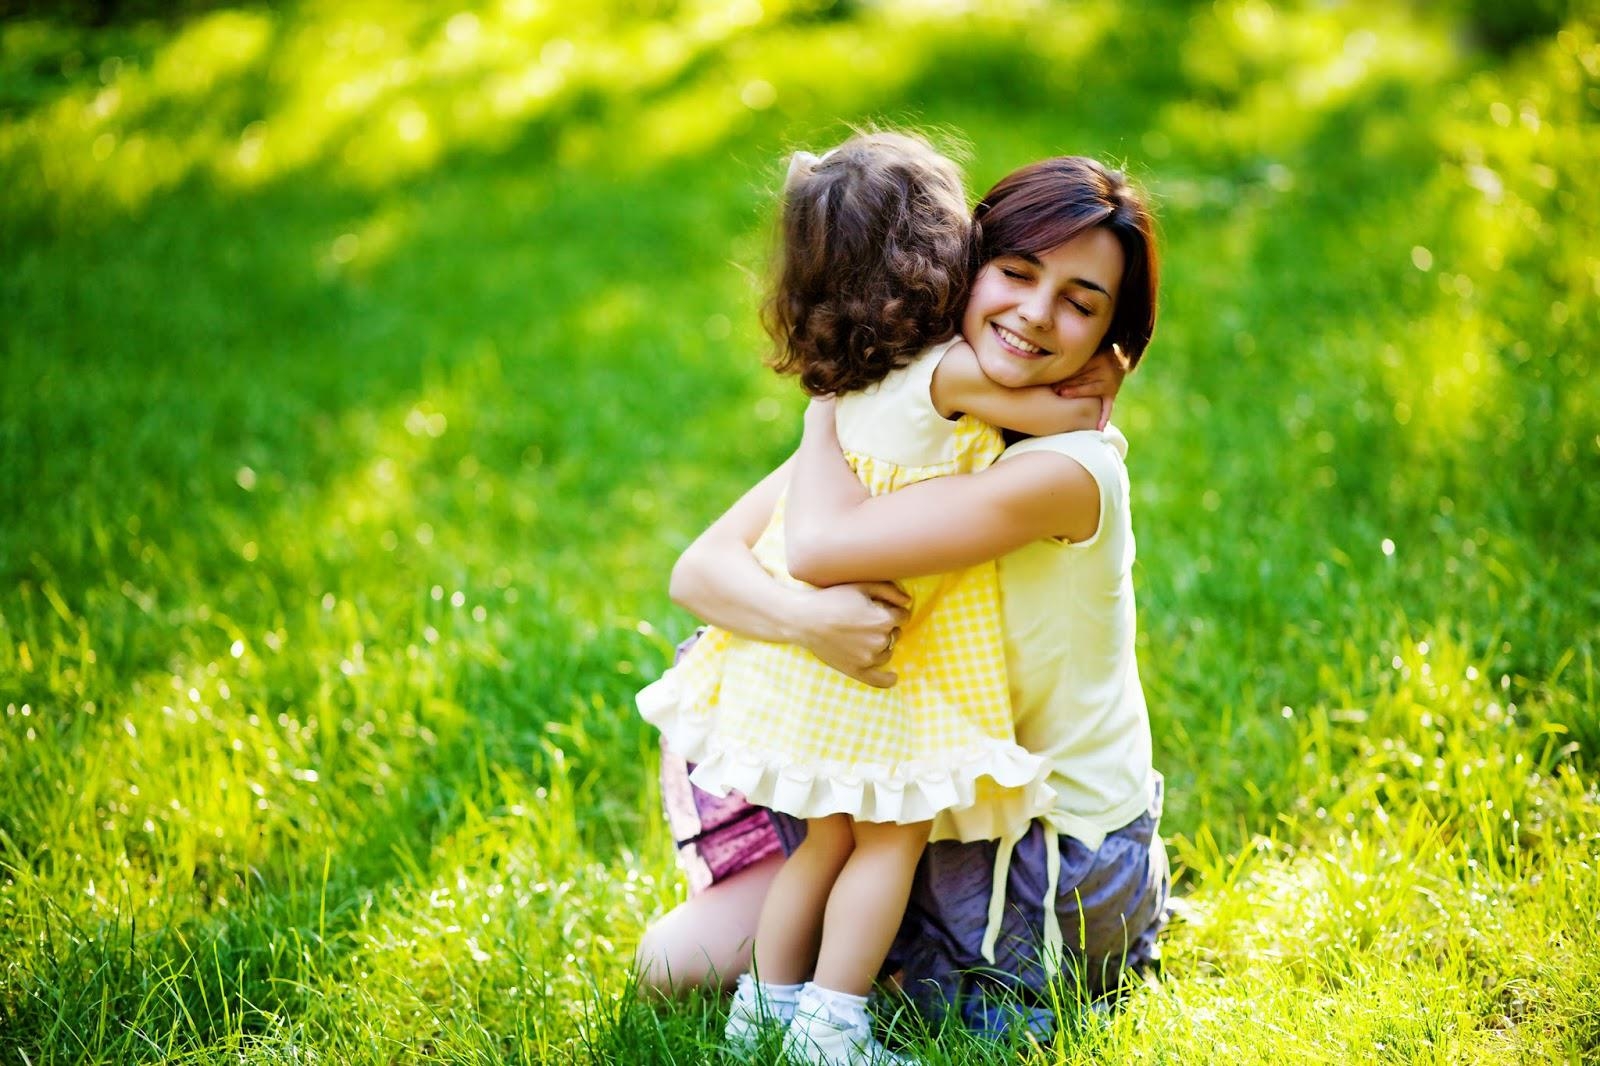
x=363, y=367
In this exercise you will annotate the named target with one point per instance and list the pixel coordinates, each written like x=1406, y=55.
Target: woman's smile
x=1016, y=343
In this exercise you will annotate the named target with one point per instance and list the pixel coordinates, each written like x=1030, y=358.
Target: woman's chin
x=1012, y=372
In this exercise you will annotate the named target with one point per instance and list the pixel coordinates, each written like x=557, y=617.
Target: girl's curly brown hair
x=874, y=264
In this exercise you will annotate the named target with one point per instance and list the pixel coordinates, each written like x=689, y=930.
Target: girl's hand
x=853, y=628
x=1099, y=378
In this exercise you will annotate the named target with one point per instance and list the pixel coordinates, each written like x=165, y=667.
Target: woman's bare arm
x=836, y=532
x=718, y=579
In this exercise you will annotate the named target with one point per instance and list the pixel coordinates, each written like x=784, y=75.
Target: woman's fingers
x=1101, y=376
x=854, y=627
x=1077, y=388
x=1080, y=385
x=887, y=593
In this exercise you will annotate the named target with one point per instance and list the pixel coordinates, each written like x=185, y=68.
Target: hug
x=912, y=742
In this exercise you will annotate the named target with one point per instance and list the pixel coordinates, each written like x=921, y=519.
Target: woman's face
x=1034, y=320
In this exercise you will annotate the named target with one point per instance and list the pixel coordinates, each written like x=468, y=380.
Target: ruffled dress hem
x=910, y=791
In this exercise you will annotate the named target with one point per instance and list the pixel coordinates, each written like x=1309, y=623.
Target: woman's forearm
x=718, y=580
x=850, y=627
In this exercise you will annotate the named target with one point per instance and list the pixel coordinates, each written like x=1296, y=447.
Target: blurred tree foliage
x=1503, y=26
x=108, y=12
x=1495, y=24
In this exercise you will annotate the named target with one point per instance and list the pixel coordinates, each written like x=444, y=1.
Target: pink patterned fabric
x=716, y=836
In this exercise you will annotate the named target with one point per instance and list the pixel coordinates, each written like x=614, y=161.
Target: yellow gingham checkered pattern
x=779, y=705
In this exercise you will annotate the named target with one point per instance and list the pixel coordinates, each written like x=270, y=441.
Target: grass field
x=364, y=366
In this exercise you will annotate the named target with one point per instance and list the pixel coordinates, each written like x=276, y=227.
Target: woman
x=1068, y=274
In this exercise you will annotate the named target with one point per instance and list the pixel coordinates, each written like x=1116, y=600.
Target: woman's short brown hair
x=875, y=261
x=1045, y=204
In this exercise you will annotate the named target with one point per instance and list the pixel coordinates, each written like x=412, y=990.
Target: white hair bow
x=803, y=162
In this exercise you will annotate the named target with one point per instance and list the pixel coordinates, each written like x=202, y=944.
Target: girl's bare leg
x=705, y=940
x=790, y=929
x=867, y=902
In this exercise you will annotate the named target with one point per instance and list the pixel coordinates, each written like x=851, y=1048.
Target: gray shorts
x=1110, y=901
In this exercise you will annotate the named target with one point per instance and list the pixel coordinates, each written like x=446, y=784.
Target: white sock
x=780, y=998
x=766, y=996
x=842, y=1006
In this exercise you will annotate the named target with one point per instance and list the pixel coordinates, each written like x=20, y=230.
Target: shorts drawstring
x=1056, y=824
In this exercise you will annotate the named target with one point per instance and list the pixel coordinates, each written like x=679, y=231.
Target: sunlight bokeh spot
x=758, y=95
x=106, y=102
x=345, y=247
x=462, y=28
x=412, y=123
x=557, y=52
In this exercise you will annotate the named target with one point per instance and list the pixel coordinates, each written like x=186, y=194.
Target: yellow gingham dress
x=774, y=722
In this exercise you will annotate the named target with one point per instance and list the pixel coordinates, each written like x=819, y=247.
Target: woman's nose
x=1035, y=312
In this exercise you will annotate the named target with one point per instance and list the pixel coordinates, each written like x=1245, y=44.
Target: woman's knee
x=705, y=940
x=665, y=961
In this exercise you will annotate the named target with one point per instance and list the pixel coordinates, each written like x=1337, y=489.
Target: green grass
x=363, y=367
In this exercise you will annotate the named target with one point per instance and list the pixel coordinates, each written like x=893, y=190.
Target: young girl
x=874, y=271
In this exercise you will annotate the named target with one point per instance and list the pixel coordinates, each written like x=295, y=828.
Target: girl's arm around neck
x=718, y=579
x=961, y=387
x=836, y=532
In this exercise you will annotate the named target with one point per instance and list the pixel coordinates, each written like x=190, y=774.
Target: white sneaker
x=755, y=1012
x=820, y=1037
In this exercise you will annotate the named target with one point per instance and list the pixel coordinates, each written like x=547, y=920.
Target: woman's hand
x=853, y=628
x=1099, y=378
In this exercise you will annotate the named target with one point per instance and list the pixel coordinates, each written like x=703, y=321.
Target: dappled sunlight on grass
x=1426, y=820
x=1444, y=383
x=215, y=48
x=1262, y=79
x=376, y=96
x=129, y=137
x=378, y=93
x=373, y=98
x=511, y=914
x=365, y=366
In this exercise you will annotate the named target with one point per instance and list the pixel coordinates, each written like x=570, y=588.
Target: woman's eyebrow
x=1082, y=283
